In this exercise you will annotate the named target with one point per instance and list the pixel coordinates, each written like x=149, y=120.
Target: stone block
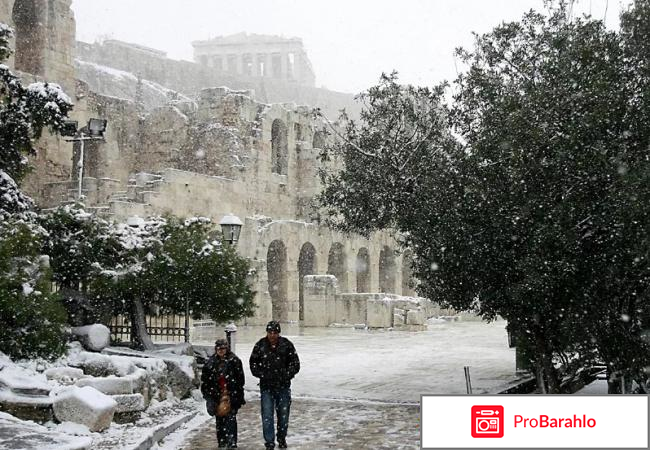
x=398, y=320
x=134, y=382
x=37, y=409
x=380, y=313
x=319, y=300
x=129, y=402
x=64, y=375
x=85, y=405
x=415, y=317
x=94, y=337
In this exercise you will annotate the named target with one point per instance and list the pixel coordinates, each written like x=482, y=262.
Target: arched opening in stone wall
x=306, y=266
x=363, y=270
x=318, y=140
x=387, y=270
x=407, y=273
x=276, y=267
x=279, y=147
x=337, y=265
x=31, y=35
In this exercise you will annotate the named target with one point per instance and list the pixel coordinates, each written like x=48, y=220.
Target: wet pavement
x=326, y=424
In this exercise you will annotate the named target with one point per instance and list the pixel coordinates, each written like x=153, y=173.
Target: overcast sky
x=349, y=42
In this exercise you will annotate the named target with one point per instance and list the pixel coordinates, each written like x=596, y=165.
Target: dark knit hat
x=221, y=343
x=273, y=326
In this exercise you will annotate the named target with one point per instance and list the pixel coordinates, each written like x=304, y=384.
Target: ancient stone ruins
x=178, y=144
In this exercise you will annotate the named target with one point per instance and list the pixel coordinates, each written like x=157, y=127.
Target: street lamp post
x=231, y=227
x=231, y=335
x=95, y=129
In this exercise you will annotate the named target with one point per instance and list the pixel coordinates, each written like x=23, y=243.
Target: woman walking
x=222, y=386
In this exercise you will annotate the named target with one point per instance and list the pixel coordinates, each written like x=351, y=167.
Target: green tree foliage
x=32, y=316
x=32, y=319
x=206, y=277
x=77, y=243
x=541, y=215
x=158, y=265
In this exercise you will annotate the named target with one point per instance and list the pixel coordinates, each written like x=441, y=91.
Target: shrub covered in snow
x=32, y=318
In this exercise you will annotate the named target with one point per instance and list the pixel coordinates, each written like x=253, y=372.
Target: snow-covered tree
x=25, y=112
x=77, y=242
x=175, y=266
x=32, y=318
x=540, y=216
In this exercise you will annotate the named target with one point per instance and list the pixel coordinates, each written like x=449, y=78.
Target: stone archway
x=279, y=148
x=363, y=270
x=337, y=265
x=407, y=273
x=387, y=270
x=29, y=18
x=318, y=141
x=306, y=266
x=276, y=267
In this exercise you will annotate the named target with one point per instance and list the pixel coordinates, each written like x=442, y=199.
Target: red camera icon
x=487, y=421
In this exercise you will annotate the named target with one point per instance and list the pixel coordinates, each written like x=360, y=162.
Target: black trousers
x=227, y=430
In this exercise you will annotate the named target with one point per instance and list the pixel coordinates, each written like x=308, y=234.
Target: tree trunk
x=546, y=374
x=139, y=336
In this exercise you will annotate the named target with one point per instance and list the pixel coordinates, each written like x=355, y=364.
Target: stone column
x=240, y=64
x=268, y=65
x=284, y=62
x=256, y=65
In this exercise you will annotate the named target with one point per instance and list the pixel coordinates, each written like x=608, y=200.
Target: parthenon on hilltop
x=255, y=55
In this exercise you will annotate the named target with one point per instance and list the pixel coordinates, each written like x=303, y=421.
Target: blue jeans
x=278, y=400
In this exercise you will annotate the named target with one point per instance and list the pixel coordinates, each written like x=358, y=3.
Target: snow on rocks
x=99, y=365
x=132, y=383
x=23, y=381
x=94, y=337
x=64, y=375
x=129, y=407
x=178, y=372
x=85, y=405
x=19, y=434
x=24, y=392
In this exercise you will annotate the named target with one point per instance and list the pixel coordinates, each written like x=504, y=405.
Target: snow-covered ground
x=395, y=366
x=361, y=389
x=356, y=388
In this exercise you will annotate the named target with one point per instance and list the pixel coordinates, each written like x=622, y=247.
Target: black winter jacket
x=275, y=367
x=233, y=371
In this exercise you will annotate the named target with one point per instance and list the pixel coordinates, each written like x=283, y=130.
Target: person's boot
x=269, y=446
x=282, y=443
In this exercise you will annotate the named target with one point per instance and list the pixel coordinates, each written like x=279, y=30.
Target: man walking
x=275, y=362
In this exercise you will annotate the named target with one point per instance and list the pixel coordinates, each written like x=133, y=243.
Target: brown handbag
x=223, y=407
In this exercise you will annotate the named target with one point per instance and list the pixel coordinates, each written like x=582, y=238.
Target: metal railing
x=165, y=328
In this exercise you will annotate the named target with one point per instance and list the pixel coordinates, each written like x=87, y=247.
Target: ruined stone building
x=196, y=149
x=257, y=56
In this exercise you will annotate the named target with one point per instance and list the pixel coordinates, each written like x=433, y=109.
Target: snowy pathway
x=361, y=389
